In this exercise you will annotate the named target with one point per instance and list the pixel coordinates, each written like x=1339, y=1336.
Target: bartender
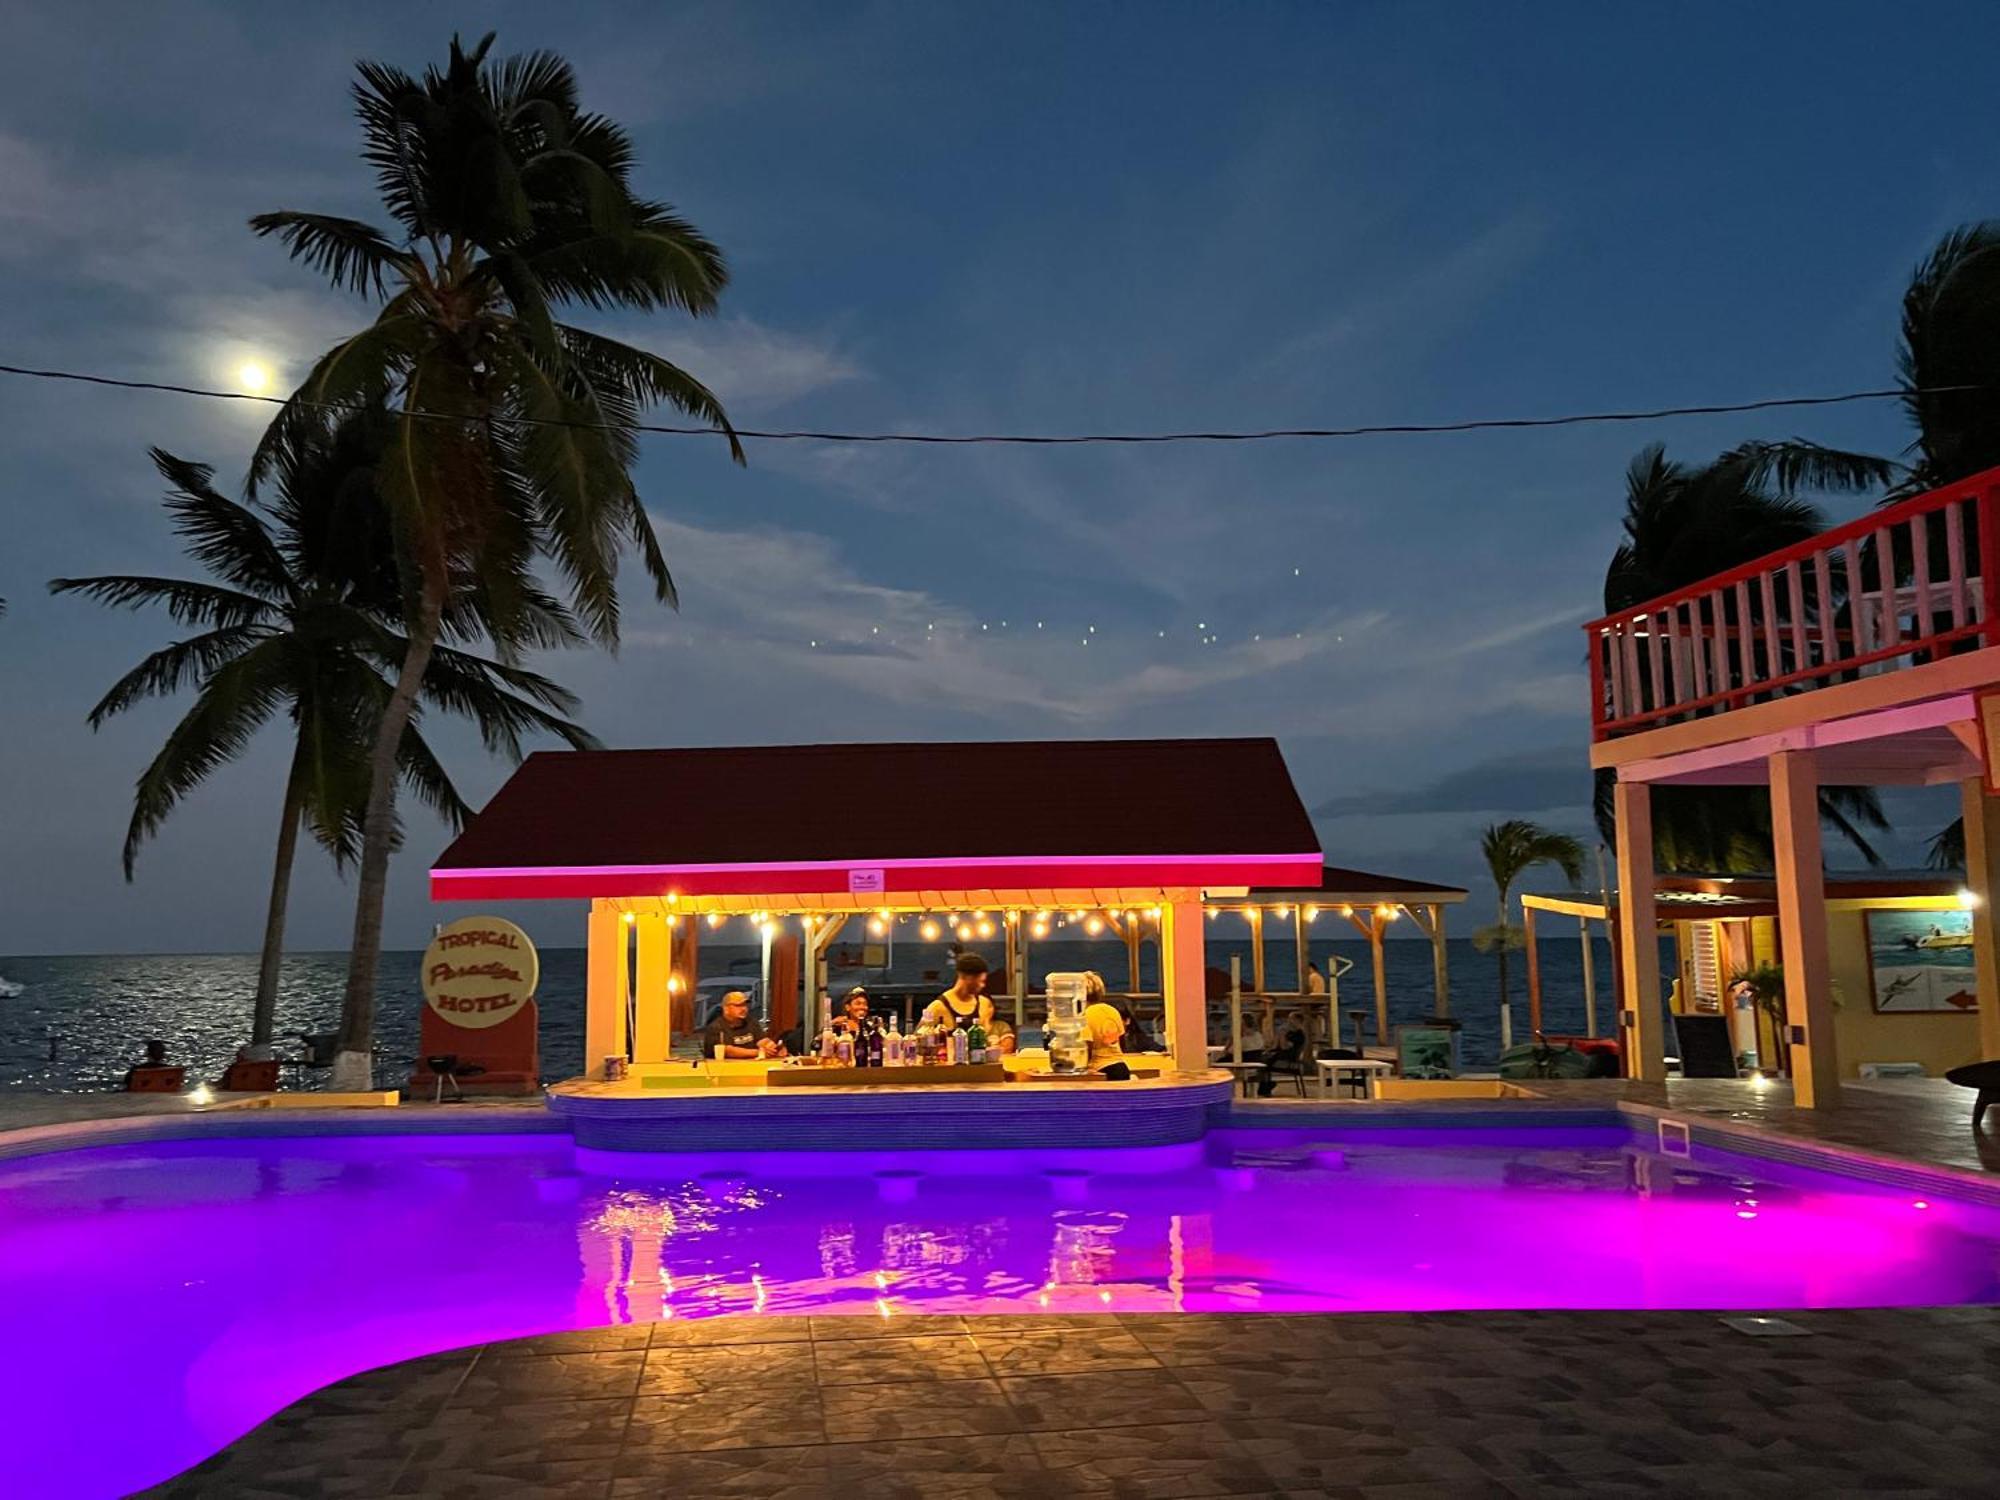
x=735, y=1034
x=965, y=1001
x=853, y=1017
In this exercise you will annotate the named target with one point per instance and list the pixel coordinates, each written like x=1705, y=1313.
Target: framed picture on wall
x=1920, y=962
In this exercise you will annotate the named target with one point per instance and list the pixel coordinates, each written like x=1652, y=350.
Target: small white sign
x=864, y=883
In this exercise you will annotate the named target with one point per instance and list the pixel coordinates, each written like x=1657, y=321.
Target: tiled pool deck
x=1514, y=1404
x=1898, y=1401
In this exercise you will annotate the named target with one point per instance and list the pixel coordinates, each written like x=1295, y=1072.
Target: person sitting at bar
x=1104, y=1027
x=1136, y=1038
x=1315, y=981
x=955, y=1008
x=735, y=1033
x=853, y=1017
x=1000, y=1036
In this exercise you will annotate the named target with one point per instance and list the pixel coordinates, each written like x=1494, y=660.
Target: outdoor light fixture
x=929, y=931
x=1312, y=913
x=630, y=918
x=877, y=926
x=1968, y=899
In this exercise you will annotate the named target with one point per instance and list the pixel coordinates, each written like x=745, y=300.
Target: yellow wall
x=1860, y=1035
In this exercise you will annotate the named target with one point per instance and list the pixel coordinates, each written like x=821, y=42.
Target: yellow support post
x=652, y=1029
x=1801, y=886
x=603, y=988
x=1982, y=851
x=1184, y=982
x=1641, y=1028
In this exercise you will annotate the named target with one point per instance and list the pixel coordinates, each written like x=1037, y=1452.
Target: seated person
x=1315, y=981
x=957, y=1006
x=735, y=1033
x=1136, y=1038
x=1288, y=1052
x=154, y=1074
x=853, y=1016
x=1000, y=1036
x=1104, y=1028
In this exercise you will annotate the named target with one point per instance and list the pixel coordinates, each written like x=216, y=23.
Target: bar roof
x=1339, y=884
x=805, y=818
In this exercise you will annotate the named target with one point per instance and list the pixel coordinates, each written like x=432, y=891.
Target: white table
x=1352, y=1071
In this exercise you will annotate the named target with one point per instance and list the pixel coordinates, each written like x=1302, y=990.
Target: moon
x=253, y=377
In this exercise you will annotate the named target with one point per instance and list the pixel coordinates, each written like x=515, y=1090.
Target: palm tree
x=298, y=618
x=1511, y=848
x=513, y=434
x=1684, y=523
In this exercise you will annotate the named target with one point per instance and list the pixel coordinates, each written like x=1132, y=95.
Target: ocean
x=80, y=1021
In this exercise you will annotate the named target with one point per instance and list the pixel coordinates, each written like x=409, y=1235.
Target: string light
x=965, y=932
x=1093, y=924
x=1312, y=913
x=715, y=919
x=986, y=929
x=929, y=931
x=877, y=926
x=630, y=918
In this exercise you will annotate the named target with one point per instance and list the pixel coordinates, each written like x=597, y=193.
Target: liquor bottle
x=875, y=1046
x=846, y=1052
x=975, y=1042
x=892, y=1046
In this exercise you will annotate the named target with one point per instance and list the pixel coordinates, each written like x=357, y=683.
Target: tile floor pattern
x=1894, y=1402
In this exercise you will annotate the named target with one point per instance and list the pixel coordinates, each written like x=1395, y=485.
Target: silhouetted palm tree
x=1511, y=848
x=1684, y=523
x=299, y=618
x=513, y=433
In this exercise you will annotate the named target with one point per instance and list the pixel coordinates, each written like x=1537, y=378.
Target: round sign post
x=479, y=981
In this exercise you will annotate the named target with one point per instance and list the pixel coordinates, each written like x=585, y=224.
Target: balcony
x=1902, y=587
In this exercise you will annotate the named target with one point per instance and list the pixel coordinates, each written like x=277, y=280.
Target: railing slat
x=1885, y=568
x=1829, y=643
x=1921, y=626
x=1697, y=652
x=1631, y=655
x=1795, y=585
x=1677, y=656
x=1773, y=662
x=1615, y=674
x=1746, y=640
x=1954, y=562
x=1653, y=657
x=1857, y=601
x=1718, y=641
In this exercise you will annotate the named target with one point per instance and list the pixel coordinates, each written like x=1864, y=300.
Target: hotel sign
x=865, y=882
x=480, y=971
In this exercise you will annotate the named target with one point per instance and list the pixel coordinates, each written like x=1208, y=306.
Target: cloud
x=1530, y=782
x=750, y=366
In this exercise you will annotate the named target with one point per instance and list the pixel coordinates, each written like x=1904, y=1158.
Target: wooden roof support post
x=1256, y=915
x=1982, y=878
x=1589, y=978
x=652, y=1021
x=603, y=987
x=1801, y=883
x=1534, y=972
x=1371, y=928
x=1430, y=922
x=1641, y=1030
x=1184, y=980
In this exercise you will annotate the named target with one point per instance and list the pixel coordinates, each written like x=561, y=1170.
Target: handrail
x=1909, y=583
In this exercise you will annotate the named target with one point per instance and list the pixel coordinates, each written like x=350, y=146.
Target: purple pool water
x=158, y=1300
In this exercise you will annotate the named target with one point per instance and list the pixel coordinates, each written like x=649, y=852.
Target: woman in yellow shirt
x=1104, y=1027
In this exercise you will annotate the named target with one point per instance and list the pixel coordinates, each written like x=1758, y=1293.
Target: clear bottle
x=845, y=1054
x=892, y=1046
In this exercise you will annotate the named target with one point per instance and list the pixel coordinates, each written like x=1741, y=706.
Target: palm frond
x=1796, y=464
x=168, y=670
x=228, y=539
x=349, y=253
x=424, y=774
x=1946, y=850
x=235, y=699
x=188, y=602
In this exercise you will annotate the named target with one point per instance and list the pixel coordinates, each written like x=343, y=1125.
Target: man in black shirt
x=735, y=1033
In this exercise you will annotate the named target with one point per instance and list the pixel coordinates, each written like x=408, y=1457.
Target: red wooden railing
x=1913, y=582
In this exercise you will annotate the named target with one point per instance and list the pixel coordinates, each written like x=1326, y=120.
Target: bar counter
x=730, y=1107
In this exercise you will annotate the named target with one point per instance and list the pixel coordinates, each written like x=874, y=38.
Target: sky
x=1038, y=217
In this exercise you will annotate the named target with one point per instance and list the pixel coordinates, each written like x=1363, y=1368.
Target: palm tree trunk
x=263, y=1014
x=1502, y=953
x=353, y=1063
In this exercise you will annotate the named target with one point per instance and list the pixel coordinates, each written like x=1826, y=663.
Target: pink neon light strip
x=972, y=862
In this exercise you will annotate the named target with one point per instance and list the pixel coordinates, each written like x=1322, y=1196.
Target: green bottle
x=975, y=1041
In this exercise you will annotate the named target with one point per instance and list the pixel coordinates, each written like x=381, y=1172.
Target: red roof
x=1336, y=882
x=834, y=818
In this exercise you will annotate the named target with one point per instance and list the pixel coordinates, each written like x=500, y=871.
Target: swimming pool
x=157, y=1300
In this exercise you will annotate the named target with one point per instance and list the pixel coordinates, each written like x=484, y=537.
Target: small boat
x=1936, y=938
x=10, y=988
